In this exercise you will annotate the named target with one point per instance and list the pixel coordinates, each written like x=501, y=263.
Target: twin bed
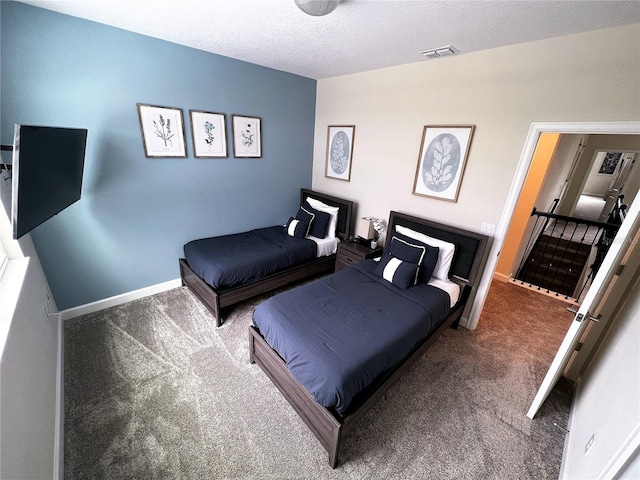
x=335, y=346
x=222, y=271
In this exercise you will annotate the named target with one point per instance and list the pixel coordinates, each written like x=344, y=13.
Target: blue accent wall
x=136, y=213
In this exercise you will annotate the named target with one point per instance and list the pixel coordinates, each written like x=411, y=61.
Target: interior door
x=610, y=200
x=595, y=330
x=628, y=160
x=598, y=295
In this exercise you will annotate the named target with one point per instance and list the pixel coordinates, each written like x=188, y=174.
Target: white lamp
x=317, y=8
x=364, y=228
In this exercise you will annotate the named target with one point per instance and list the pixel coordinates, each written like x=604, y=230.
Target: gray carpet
x=154, y=390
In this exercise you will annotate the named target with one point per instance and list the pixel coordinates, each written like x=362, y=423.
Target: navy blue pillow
x=306, y=216
x=401, y=274
x=408, y=249
x=428, y=264
x=320, y=223
x=297, y=228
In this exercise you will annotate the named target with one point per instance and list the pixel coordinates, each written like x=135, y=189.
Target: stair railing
x=559, y=251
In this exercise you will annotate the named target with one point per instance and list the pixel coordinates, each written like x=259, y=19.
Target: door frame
x=535, y=130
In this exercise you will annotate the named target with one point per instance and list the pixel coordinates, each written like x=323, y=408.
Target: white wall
x=597, y=184
x=632, y=186
x=585, y=164
x=631, y=471
x=607, y=401
x=28, y=366
x=576, y=78
x=559, y=170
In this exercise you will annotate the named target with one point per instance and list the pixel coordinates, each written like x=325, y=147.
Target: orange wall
x=545, y=150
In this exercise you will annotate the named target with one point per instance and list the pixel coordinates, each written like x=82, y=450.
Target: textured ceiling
x=359, y=35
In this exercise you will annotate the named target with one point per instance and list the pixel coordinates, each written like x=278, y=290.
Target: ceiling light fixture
x=440, y=52
x=317, y=8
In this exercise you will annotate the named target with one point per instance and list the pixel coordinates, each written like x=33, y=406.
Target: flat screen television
x=47, y=168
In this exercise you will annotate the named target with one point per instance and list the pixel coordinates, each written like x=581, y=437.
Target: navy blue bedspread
x=338, y=333
x=235, y=259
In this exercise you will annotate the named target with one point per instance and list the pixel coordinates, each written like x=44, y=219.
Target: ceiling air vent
x=440, y=52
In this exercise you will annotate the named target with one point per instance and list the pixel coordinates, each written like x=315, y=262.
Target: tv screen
x=47, y=168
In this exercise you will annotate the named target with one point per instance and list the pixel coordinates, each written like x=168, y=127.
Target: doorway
x=631, y=128
x=558, y=248
x=535, y=131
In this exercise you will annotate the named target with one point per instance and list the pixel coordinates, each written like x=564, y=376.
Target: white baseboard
x=620, y=459
x=623, y=455
x=119, y=299
x=58, y=441
x=58, y=460
x=501, y=277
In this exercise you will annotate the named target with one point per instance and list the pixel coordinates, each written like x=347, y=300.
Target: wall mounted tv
x=47, y=168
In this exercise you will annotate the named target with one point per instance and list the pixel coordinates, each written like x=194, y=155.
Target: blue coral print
x=441, y=162
x=339, y=157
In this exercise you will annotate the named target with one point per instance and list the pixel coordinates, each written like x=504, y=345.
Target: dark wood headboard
x=470, y=246
x=343, y=226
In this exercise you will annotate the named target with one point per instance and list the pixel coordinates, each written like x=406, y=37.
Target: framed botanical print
x=209, y=134
x=339, y=151
x=441, y=161
x=162, y=131
x=247, y=140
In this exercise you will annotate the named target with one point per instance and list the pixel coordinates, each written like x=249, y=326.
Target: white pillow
x=445, y=255
x=332, y=211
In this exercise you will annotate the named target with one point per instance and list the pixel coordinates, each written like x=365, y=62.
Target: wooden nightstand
x=350, y=253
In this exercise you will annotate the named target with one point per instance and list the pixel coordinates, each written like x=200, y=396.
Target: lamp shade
x=317, y=8
x=364, y=228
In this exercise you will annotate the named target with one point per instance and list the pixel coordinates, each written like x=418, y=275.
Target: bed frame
x=215, y=299
x=326, y=424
